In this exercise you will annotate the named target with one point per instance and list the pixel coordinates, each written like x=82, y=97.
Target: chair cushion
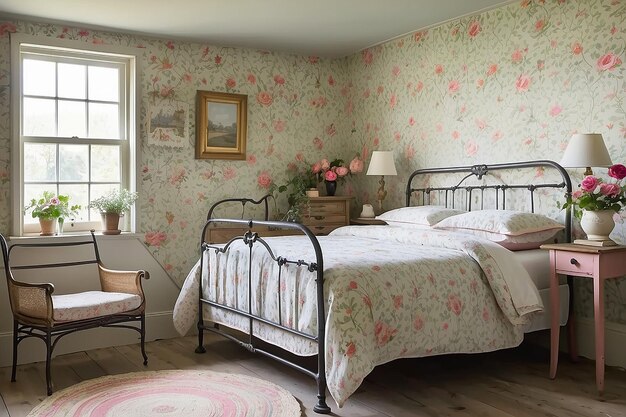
x=90, y=304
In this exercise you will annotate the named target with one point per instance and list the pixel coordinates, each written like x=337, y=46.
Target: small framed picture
x=221, y=125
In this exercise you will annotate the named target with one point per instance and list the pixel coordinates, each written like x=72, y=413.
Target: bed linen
x=390, y=293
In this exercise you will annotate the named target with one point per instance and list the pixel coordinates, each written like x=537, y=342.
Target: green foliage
x=300, y=180
x=118, y=201
x=51, y=206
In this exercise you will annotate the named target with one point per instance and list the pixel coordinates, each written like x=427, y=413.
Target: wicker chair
x=38, y=313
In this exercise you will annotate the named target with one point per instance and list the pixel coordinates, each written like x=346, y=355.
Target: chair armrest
x=31, y=300
x=122, y=281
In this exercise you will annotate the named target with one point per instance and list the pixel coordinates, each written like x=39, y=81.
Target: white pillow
x=418, y=215
x=515, y=230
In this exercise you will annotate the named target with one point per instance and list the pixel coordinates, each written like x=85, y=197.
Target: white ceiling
x=331, y=28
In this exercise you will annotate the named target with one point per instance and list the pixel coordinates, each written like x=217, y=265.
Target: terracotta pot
x=48, y=227
x=110, y=223
x=597, y=225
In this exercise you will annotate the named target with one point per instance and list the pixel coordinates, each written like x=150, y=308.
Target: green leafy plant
x=52, y=206
x=117, y=201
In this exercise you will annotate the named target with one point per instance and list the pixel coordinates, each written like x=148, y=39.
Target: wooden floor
x=500, y=384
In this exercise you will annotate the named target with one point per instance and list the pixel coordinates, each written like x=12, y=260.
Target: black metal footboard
x=251, y=239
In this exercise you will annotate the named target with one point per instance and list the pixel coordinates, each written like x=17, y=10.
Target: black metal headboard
x=478, y=172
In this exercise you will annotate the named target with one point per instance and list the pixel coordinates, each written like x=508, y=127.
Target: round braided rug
x=188, y=393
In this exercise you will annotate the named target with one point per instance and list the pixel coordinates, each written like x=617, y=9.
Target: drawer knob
x=573, y=261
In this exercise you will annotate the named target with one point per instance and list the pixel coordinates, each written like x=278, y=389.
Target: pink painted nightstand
x=597, y=263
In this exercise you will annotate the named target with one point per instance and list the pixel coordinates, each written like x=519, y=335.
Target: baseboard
x=614, y=341
x=159, y=325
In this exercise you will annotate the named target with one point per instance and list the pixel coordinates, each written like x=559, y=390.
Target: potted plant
x=113, y=206
x=51, y=209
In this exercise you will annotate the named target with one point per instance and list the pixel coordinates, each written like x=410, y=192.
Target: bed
x=366, y=295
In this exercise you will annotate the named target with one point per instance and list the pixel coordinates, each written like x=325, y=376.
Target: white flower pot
x=598, y=225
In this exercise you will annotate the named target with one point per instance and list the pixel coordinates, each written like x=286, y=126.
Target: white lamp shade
x=586, y=150
x=382, y=164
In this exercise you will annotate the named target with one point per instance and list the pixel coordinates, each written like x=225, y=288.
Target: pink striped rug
x=188, y=393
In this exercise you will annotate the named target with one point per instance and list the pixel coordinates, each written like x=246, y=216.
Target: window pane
x=40, y=162
x=39, y=78
x=79, y=194
x=72, y=81
x=39, y=118
x=35, y=191
x=98, y=190
x=104, y=121
x=72, y=119
x=104, y=84
x=74, y=163
x=105, y=163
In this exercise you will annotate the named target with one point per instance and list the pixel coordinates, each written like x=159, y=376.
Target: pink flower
x=523, y=83
x=350, y=349
x=325, y=164
x=330, y=176
x=230, y=82
x=279, y=125
x=474, y=29
x=356, y=165
x=155, y=238
x=471, y=148
x=493, y=68
x=617, y=171
x=54, y=201
x=264, y=180
x=454, y=304
x=608, y=62
x=517, y=56
x=577, y=194
x=251, y=79
x=610, y=190
x=279, y=79
x=316, y=168
x=229, y=173
x=438, y=69
x=264, y=98
x=555, y=110
x=577, y=48
x=589, y=183
x=342, y=171
x=418, y=323
x=368, y=57
x=453, y=86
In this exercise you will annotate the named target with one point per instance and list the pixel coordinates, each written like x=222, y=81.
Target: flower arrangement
x=595, y=194
x=334, y=170
x=117, y=201
x=52, y=206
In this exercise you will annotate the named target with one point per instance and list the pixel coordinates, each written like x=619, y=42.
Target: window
x=75, y=118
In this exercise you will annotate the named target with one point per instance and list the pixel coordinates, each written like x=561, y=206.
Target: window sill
x=35, y=237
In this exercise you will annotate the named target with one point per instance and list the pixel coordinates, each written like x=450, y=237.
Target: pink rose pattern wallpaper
x=513, y=83
x=510, y=84
x=295, y=107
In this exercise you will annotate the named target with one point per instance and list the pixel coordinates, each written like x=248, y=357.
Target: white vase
x=597, y=225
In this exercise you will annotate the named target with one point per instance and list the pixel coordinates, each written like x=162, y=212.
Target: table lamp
x=586, y=150
x=381, y=164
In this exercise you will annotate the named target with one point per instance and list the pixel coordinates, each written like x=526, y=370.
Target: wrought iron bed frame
x=250, y=238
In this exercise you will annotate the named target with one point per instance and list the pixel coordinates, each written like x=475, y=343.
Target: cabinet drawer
x=324, y=219
x=325, y=208
x=321, y=230
x=575, y=263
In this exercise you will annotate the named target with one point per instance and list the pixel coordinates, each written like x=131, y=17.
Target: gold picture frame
x=221, y=125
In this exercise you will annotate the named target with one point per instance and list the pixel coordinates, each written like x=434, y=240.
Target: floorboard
x=510, y=383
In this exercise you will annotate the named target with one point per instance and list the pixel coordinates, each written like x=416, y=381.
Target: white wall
x=125, y=252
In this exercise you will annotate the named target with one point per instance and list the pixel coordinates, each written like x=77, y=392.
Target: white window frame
x=129, y=129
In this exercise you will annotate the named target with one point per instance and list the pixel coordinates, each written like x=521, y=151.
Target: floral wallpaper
x=295, y=107
x=510, y=84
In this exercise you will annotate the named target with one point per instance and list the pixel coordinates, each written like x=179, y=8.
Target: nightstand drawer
x=575, y=263
x=321, y=230
x=324, y=219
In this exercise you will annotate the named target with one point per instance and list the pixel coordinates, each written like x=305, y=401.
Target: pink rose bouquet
x=336, y=170
x=597, y=194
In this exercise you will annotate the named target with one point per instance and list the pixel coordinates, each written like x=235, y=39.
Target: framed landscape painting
x=221, y=125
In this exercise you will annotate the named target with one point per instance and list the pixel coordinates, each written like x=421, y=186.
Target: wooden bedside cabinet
x=324, y=214
x=597, y=263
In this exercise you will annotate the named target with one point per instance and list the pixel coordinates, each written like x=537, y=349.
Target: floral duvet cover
x=390, y=293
